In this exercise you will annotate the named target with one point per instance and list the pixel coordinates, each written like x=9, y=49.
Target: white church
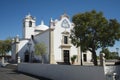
x=55, y=37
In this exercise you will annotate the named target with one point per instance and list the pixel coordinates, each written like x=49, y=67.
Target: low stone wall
x=63, y=72
x=112, y=72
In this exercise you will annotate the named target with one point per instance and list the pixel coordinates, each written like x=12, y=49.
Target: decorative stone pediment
x=65, y=24
x=65, y=46
x=64, y=15
x=66, y=33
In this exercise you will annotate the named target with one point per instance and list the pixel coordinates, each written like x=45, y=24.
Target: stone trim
x=16, y=51
x=62, y=54
x=65, y=46
x=66, y=33
x=68, y=45
x=51, y=46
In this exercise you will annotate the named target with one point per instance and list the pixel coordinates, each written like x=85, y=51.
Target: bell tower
x=28, y=26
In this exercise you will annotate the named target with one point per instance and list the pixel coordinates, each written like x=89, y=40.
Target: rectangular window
x=65, y=39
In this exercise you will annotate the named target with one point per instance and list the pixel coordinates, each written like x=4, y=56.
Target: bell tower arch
x=28, y=26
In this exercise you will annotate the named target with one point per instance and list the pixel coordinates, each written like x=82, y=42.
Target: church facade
x=55, y=37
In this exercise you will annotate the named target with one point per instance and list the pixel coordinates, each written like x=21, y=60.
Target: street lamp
x=117, y=49
x=29, y=45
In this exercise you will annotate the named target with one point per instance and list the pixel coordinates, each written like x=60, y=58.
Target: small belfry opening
x=30, y=23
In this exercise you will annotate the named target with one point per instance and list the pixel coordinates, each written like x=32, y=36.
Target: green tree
x=40, y=49
x=106, y=52
x=1, y=48
x=114, y=55
x=92, y=31
x=5, y=46
x=109, y=55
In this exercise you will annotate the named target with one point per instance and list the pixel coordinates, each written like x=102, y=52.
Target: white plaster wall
x=109, y=70
x=57, y=42
x=44, y=38
x=74, y=51
x=89, y=56
x=58, y=38
x=28, y=31
x=63, y=72
x=22, y=47
x=22, y=44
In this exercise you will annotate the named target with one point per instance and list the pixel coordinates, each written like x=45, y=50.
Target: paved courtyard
x=10, y=74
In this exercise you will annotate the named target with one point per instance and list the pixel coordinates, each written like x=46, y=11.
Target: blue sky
x=12, y=12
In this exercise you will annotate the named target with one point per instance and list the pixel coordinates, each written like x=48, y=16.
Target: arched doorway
x=26, y=56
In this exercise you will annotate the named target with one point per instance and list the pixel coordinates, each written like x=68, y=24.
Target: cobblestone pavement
x=10, y=74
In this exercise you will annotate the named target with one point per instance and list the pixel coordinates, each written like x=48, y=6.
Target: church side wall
x=43, y=38
x=22, y=47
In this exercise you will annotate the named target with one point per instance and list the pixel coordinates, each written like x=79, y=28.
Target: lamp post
x=117, y=49
x=29, y=45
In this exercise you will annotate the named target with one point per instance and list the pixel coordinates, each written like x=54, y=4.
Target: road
x=10, y=74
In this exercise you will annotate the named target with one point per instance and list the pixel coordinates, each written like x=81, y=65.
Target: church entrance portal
x=66, y=56
x=26, y=58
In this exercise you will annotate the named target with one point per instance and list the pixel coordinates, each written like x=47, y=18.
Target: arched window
x=30, y=23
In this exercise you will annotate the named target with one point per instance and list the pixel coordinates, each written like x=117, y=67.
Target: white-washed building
x=55, y=37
